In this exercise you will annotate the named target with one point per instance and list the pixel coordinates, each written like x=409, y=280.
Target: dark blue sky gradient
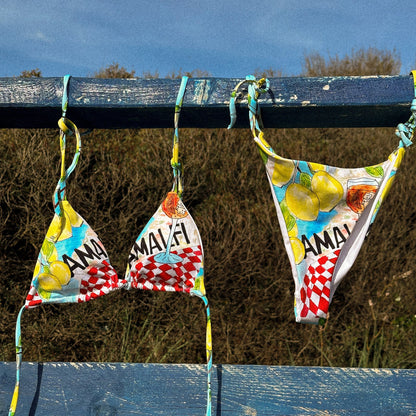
x=228, y=38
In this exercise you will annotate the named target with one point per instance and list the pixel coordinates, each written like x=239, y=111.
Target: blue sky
x=228, y=38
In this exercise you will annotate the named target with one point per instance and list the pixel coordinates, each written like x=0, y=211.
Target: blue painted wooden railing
x=179, y=389
x=138, y=103
x=117, y=389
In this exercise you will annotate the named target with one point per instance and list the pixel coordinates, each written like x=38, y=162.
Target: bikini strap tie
x=176, y=165
x=66, y=127
x=255, y=89
x=406, y=131
x=18, y=343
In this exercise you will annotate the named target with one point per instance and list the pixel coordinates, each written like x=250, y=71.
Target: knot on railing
x=406, y=131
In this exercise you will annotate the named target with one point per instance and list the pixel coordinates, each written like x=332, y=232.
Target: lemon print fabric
x=324, y=213
x=72, y=265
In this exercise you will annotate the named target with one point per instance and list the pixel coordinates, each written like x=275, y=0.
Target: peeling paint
x=306, y=102
x=293, y=97
x=326, y=87
x=201, y=91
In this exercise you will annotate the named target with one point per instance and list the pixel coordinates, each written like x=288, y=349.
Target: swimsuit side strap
x=67, y=127
x=65, y=95
x=176, y=166
x=406, y=131
x=255, y=89
x=413, y=73
x=18, y=338
x=209, y=354
x=232, y=108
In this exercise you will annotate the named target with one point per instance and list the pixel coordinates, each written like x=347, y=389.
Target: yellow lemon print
x=302, y=202
x=54, y=228
x=293, y=232
x=37, y=268
x=57, y=276
x=48, y=282
x=54, y=255
x=60, y=228
x=60, y=271
x=73, y=217
x=298, y=249
x=314, y=167
x=282, y=172
x=328, y=190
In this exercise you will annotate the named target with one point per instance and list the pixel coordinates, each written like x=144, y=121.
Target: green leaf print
x=43, y=293
x=376, y=171
x=47, y=249
x=305, y=180
x=288, y=217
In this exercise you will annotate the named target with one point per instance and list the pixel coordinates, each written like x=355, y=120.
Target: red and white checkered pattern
x=32, y=299
x=148, y=274
x=316, y=288
x=100, y=280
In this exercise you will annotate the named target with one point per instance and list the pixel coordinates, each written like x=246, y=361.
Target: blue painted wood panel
x=137, y=103
x=179, y=389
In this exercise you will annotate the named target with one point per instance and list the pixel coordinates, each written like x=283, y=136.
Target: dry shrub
x=121, y=179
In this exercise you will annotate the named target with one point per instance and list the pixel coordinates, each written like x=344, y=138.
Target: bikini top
x=73, y=265
x=324, y=212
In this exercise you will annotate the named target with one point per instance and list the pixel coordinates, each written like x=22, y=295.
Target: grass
x=121, y=179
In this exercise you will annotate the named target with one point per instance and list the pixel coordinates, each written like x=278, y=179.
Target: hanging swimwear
x=324, y=212
x=168, y=254
x=73, y=265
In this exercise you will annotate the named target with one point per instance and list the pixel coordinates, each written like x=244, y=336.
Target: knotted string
x=209, y=354
x=176, y=166
x=66, y=127
x=255, y=89
x=406, y=131
x=18, y=341
x=177, y=187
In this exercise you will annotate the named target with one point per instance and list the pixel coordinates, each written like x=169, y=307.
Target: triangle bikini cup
x=324, y=212
x=73, y=265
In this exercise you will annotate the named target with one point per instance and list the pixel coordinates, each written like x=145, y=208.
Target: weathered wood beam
x=179, y=389
x=377, y=101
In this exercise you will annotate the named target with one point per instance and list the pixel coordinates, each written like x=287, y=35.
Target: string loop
x=176, y=165
x=66, y=127
x=406, y=131
x=255, y=89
